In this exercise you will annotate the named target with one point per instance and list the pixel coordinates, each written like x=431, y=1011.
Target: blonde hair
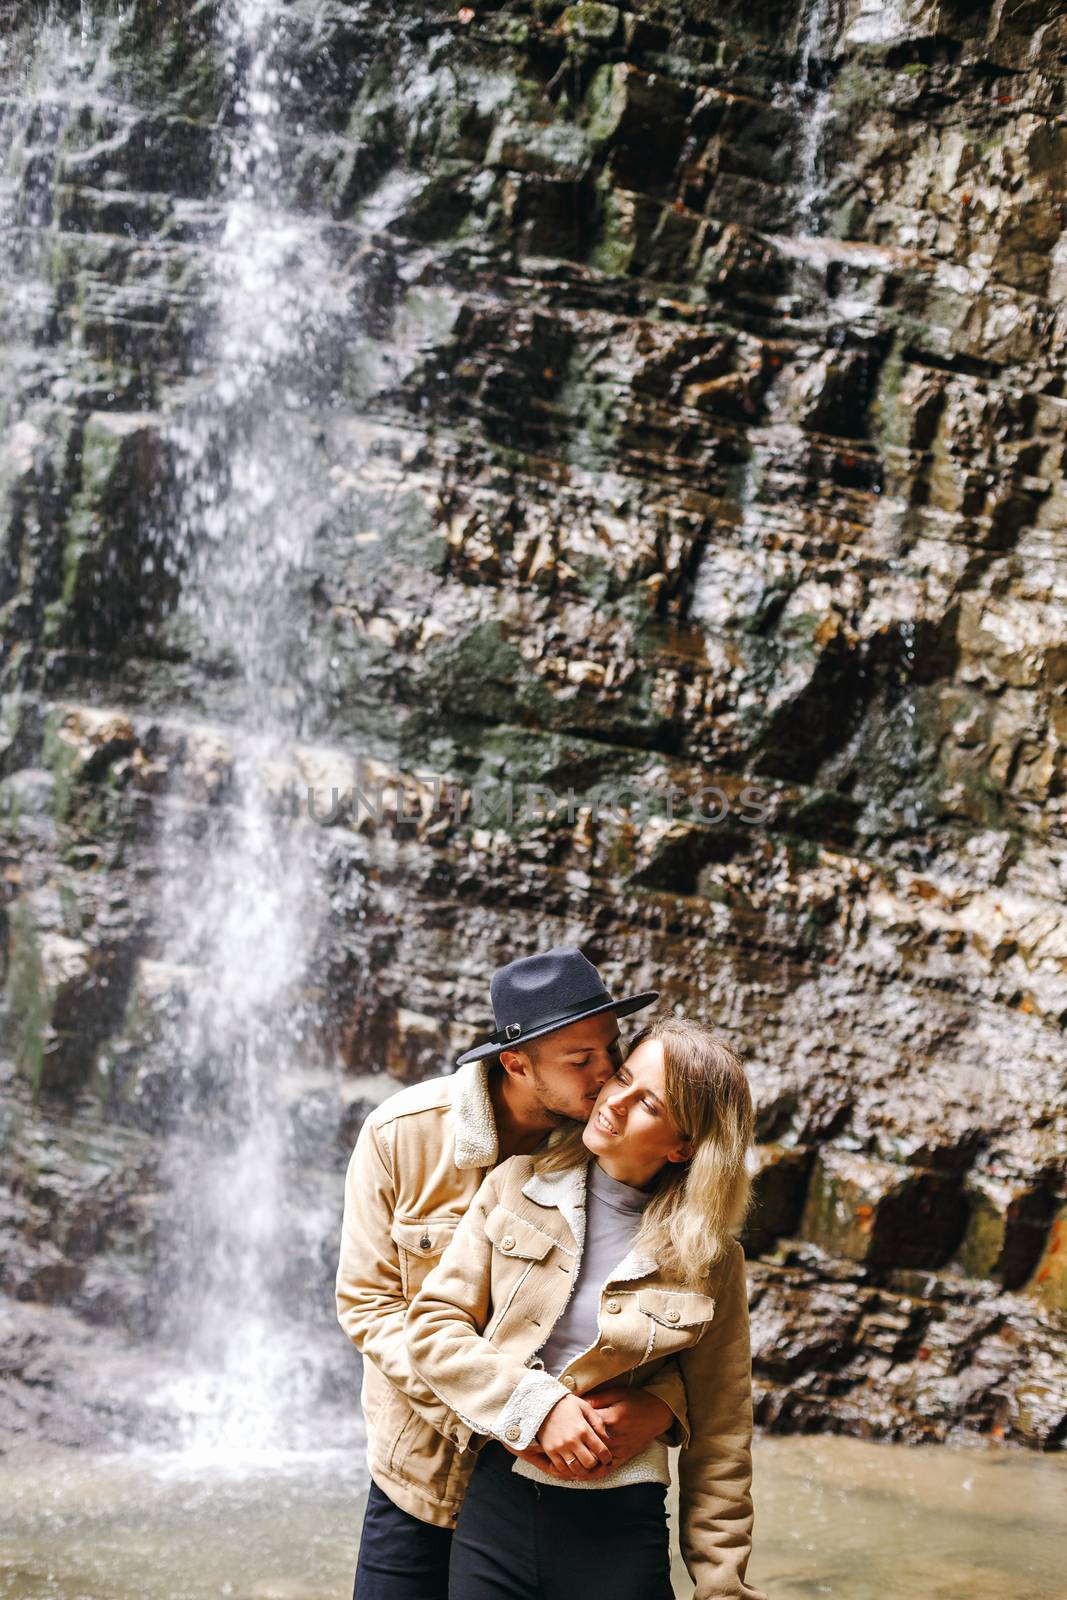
x=697, y=1204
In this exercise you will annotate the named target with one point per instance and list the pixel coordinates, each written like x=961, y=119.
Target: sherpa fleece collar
x=566, y=1191
x=472, y=1115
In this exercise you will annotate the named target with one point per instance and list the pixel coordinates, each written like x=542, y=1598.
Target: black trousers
x=400, y=1557
x=519, y=1540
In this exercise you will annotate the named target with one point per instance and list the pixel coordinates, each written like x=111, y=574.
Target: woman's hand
x=574, y=1435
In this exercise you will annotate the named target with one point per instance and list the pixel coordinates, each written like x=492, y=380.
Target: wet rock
x=80, y=745
x=907, y=1366
x=50, y=1391
x=324, y=1128
x=882, y=1214
x=60, y=999
x=28, y=794
x=703, y=429
x=392, y=1038
x=118, y=572
x=78, y=1201
x=1007, y=1230
x=779, y=1189
x=1050, y=1274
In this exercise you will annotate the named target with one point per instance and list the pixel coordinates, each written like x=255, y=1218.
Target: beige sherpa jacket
x=418, y=1163
x=490, y=1303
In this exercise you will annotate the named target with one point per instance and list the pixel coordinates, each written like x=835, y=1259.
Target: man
x=417, y=1165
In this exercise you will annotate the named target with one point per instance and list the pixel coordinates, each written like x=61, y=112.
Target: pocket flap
x=423, y=1238
x=676, y=1308
x=513, y=1237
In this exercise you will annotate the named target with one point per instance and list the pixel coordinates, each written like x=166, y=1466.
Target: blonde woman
x=586, y=1265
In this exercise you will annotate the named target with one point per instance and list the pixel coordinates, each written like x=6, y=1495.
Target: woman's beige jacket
x=483, y=1312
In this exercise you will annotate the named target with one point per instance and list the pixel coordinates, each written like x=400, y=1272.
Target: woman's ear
x=682, y=1151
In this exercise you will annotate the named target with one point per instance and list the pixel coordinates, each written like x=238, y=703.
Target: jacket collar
x=472, y=1116
x=565, y=1191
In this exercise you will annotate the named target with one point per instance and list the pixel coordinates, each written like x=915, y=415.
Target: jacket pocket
x=683, y=1313
x=517, y=1248
x=419, y=1244
x=511, y=1236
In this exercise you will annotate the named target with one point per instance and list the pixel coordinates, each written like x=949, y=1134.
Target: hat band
x=517, y=1030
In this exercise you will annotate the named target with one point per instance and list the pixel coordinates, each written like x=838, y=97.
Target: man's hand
x=633, y=1418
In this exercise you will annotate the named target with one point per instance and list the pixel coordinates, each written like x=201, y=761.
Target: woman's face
x=631, y=1132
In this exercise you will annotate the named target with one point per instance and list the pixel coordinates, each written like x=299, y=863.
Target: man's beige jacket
x=490, y=1303
x=418, y=1162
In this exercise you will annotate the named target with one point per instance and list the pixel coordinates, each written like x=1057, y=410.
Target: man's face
x=573, y=1064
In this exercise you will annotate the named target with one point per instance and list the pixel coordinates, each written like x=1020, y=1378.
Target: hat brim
x=621, y=1008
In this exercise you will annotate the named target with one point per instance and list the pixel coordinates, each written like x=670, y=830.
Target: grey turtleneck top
x=613, y=1213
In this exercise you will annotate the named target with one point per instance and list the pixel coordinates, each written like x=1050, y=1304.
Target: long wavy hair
x=697, y=1204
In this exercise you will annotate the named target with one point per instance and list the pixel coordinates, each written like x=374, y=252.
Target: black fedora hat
x=538, y=994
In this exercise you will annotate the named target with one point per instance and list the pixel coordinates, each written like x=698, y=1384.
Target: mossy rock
x=779, y=1190
x=1007, y=1231
x=480, y=674
x=1049, y=1280
x=119, y=575
x=55, y=1008
x=78, y=747
x=590, y=21
x=880, y=1213
x=169, y=50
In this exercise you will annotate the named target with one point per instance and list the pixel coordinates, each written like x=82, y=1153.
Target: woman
x=590, y=1263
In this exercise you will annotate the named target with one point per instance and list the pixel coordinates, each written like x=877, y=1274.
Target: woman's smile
x=631, y=1116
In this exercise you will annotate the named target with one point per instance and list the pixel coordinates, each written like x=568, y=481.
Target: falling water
x=241, y=915
x=778, y=444
x=819, y=27
x=58, y=83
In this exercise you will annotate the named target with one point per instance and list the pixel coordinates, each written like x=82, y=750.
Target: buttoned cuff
x=529, y=1405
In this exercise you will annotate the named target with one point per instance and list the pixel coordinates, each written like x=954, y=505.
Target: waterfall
x=777, y=444
x=237, y=932
x=818, y=28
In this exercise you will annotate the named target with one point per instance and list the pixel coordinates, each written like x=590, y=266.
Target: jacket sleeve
x=370, y=1302
x=493, y=1393
x=715, y=1469
x=668, y=1385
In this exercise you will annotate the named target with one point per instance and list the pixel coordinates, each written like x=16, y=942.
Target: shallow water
x=835, y=1517
x=861, y=1521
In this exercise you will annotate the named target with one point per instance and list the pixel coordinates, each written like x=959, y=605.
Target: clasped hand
x=586, y=1436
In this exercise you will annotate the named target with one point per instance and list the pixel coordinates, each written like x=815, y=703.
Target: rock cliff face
x=675, y=411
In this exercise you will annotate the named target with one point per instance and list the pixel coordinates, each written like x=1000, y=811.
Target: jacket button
x=567, y=1382
x=607, y=1349
x=513, y=1432
x=424, y=1242
x=507, y=1242
x=613, y=1305
x=673, y=1314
